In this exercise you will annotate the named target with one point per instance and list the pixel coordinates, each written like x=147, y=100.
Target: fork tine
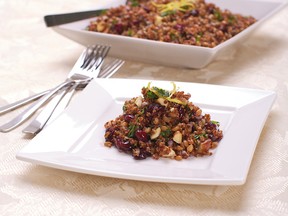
x=90, y=54
x=104, y=52
x=96, y=56
x=87, y=56
x=111, y=68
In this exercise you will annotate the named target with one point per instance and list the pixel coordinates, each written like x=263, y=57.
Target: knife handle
x=59, y=19
x=22, y=102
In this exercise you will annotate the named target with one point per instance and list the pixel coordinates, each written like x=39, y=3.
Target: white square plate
x=168, y=53
x=75, y=140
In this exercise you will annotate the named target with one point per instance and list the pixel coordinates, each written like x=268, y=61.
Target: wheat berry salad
x=190, y=22
x=163, y=124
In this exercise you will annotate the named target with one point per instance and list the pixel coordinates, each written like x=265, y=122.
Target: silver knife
x=59, y=19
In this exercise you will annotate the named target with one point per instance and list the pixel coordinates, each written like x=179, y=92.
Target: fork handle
x=63, y=103
x=54, y=107
x=44, y=116
x=33, y=108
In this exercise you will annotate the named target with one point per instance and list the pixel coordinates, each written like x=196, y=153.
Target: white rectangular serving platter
x=75, y=140
x=170, y=54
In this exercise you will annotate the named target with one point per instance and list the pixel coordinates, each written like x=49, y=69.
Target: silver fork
x=107, y=71
x=117, y=63
x=88, y=59
x=60, y=102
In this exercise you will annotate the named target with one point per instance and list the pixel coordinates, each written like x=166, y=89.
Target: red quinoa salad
x=191, y=22
x=162, y=123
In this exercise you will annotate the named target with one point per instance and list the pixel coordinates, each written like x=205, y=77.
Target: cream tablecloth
x=34, y=58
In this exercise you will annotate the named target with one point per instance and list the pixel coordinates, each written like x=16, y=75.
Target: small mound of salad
x=162, y=123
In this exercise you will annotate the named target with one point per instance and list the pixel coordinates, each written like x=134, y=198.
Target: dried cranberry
x=147, y=9
x=181, y=111
x=179, y=27
x=141, y=136
x=136, y=23
x=155, y=108
x=128, y=117
x=123, y=145
x=111, y=133
x=210, y=126
x=210, y=10
x=223, y=28
x=194, y=12
x=119, y=28
x=214, y=138
x=191, y=13
x=151, y=107
x=142, y=155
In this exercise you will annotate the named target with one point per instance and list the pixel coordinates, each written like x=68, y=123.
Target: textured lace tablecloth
x=34, y=58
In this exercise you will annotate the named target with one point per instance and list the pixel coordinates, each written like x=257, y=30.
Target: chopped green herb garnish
x=172, y=36
x=231, y=19
x=166, y=13
x=218, y=15
x=132, y=129
x=142, y=111
x=215, y=122
x=134, y=3
x=130, y=32
x=197, y=136
x=161, y=92
x=166, y=133
x=198, y=37
x=166, y=95
x=151, y=95
x=124, y=108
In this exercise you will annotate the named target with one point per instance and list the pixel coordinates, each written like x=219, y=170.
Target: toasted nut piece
x=198, y=112
x=190, y=148
x=176, y=128
x=158, y=20
x=171, y=154
x=177, y=137
x=162, y=102
x=214, y=145
x=100, y=27
x=185, y=143
x=156, y=121
x=178, y=157
x=155, y=133
x=108, y=144
x=163, y=127
x=147, y=130
x=166, y=119
x=138, y=101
